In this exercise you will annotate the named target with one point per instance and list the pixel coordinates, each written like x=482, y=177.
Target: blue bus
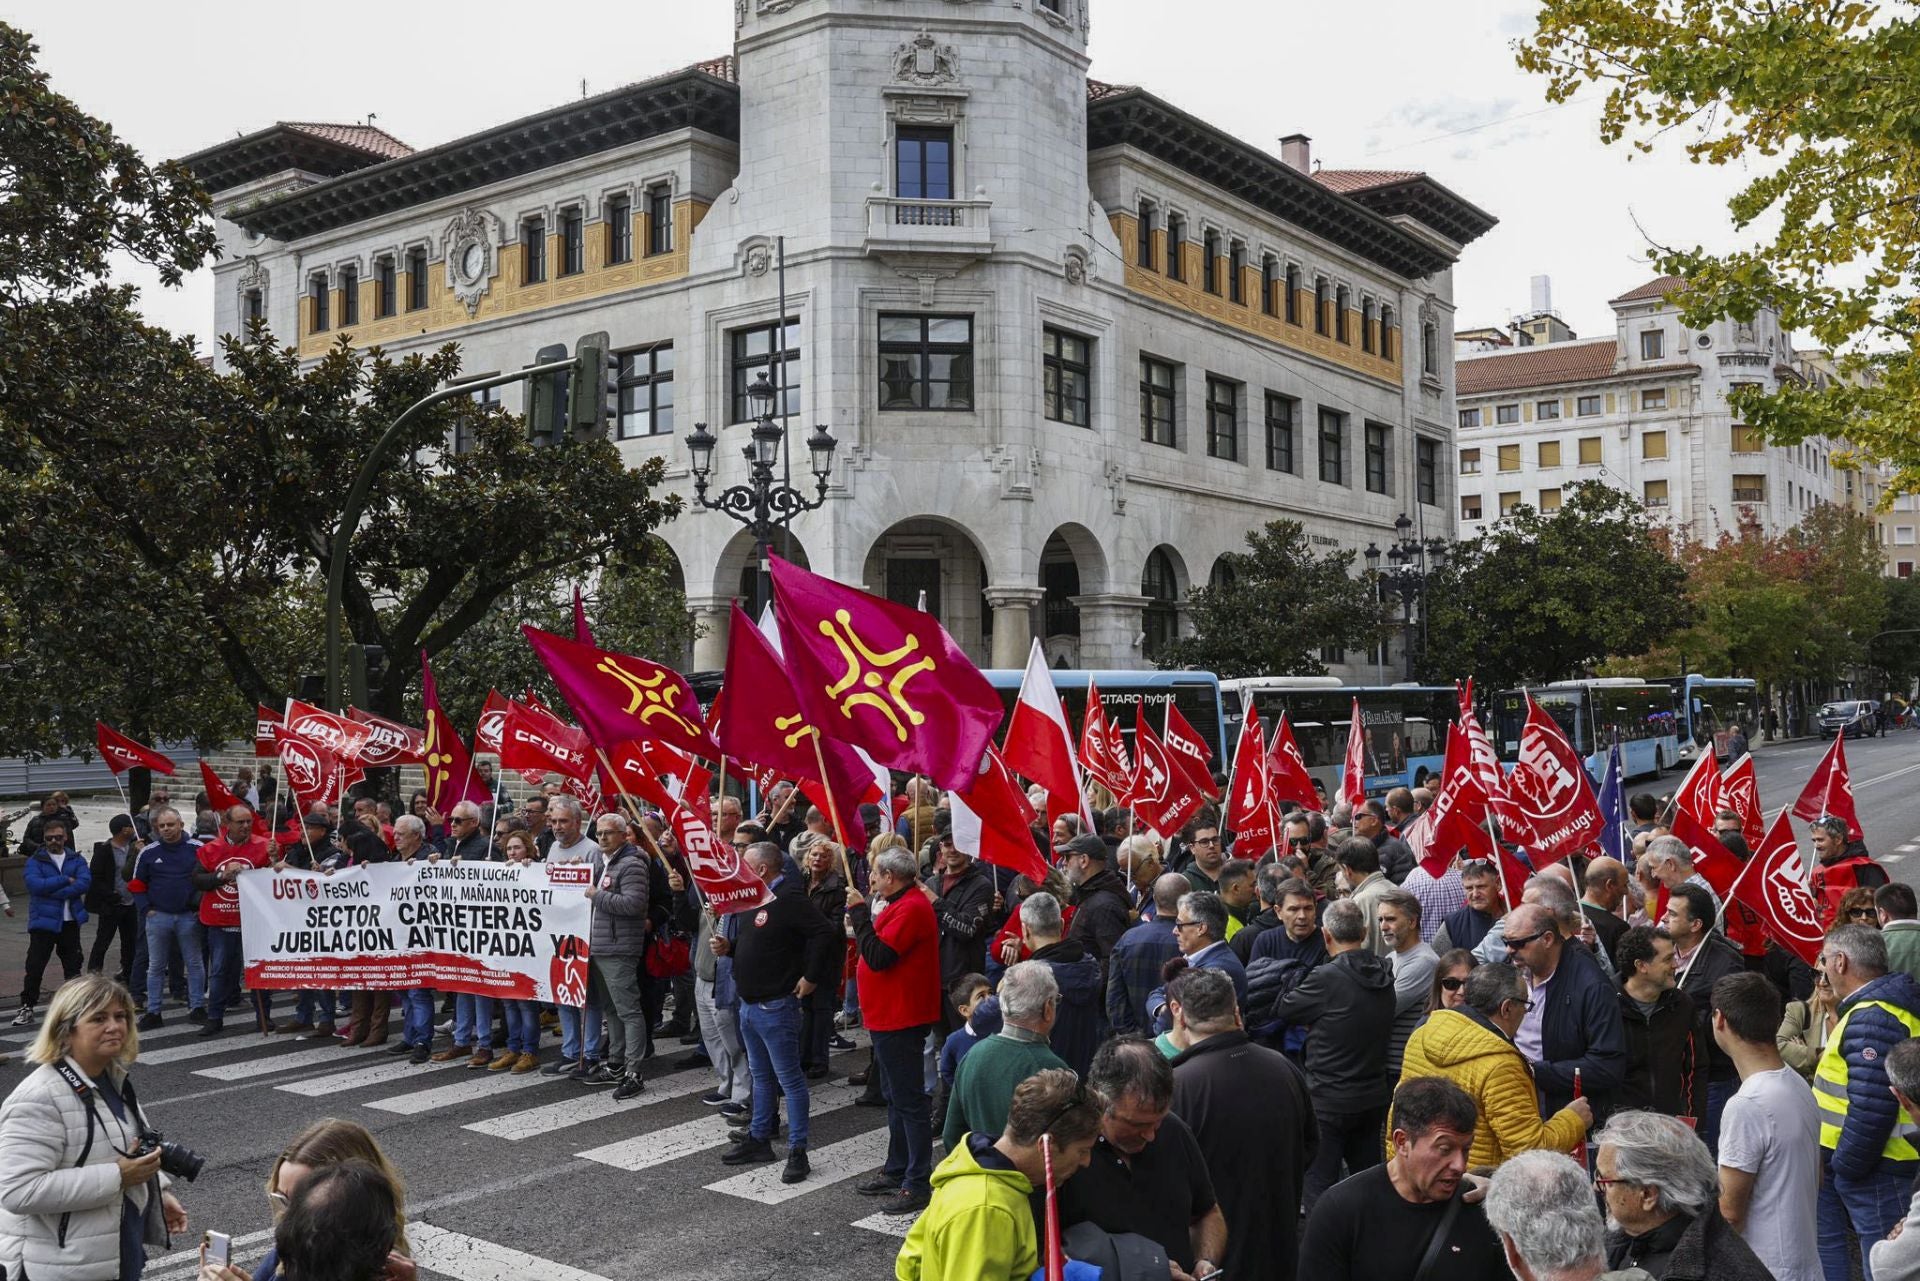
x=1709, y=707
x=1591, y=713
x=1405, y=725
x=1195, y=694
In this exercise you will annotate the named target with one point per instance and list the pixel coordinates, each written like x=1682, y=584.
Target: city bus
x=1592, y=713
x=1405, y=725
x=1196, y=694
x=1708, y=707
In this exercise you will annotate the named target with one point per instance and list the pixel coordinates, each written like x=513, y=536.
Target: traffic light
x=366, y=671
x=547, y=398
x=594, y=388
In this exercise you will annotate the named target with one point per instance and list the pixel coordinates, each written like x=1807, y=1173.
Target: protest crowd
x=1148, y=1015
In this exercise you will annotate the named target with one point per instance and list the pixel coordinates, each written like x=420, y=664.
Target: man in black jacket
x=1574, y=1025
x=1349, y=1002
x=1664, y=1072
x=1704, y=957
x=785, y=951
x=963, y=908
x=1102, y=909
x=1396, y=860
x=111, y=902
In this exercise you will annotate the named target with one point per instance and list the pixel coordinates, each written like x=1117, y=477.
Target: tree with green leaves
x=1278, y=605
x=1817, y=100
x=1545, y=596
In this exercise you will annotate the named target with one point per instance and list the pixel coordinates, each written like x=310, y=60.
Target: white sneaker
x=25, y=1017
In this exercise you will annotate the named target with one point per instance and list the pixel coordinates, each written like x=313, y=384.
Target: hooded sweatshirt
x=1349, y=1002
x=979, y=1226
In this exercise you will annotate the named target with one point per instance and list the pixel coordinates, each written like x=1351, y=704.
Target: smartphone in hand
x=216, y=1248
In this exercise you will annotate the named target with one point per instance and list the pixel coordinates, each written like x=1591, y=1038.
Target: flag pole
x=633, y=811
x=833, y=806
x=493, y=810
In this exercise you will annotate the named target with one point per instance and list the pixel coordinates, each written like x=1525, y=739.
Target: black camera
x=176, y=1159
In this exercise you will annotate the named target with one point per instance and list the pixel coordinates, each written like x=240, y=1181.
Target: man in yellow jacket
x=1473, y=1047
x=979, y=1225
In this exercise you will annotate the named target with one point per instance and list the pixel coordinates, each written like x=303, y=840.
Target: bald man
x=1606, y=890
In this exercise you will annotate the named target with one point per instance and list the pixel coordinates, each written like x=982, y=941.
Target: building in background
x=1073, y=342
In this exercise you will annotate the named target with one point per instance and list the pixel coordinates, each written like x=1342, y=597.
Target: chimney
x=1542, y=294
x=1296, y=151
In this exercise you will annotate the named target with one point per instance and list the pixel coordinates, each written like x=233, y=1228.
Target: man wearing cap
x=1102, y=910
x=109, y=899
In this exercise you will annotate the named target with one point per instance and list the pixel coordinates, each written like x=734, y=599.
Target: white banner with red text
x=514, y=932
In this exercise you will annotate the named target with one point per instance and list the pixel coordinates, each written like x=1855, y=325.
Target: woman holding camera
x=76, y=1202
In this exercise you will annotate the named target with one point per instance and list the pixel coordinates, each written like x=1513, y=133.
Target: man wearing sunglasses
x=1574, y=1024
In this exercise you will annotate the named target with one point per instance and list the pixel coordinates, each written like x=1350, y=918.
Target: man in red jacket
x=899, y=978
x=221, y=863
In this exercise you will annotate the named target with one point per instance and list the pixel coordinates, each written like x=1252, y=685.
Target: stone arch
x=942, y=558
x=1072, y=565
x=734, y=571
x=1164, y=583
x=1222, y=574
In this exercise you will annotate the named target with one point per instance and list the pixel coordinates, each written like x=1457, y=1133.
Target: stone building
x=1072, y=342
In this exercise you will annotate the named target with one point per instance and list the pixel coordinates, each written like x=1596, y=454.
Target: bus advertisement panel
x=1593, y=714
x=1195, y=694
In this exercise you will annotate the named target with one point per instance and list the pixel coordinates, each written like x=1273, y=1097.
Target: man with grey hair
x=983, y=1084
x=1200, y=932
x=1412, y=962
x=582, y=1034
x=1866, y=1137
x=1899, y=1254
x=1541, y=1205
x=465, y=839
x=627, y=905
x=1661, y=1190
x=1349, y=1003
x=1079, y=1019
x=1670, y=860
x=1133, y=971
x=1841, y=862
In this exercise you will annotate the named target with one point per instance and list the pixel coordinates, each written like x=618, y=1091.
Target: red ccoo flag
x=264, y=719
x=990, y=820
x=1160, y=793
x=1741, y=786
x=1550, y=784
x=619, y=696
x=1830, y=790
x=1250, y=811
x=122, y=754
x=1287, y=774
x=883, y=677
x=1717, y=864
x=1039, y=742
x=1456, y=821
x=1105, y=760
x=1189, y=751
x=219, y=795
x=1353, y=776
x=1774, y=884
x=444, y=759
x=1701, y=793
x=534, y=742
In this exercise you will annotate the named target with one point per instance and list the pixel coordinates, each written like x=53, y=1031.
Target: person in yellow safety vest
x=1866, y=1137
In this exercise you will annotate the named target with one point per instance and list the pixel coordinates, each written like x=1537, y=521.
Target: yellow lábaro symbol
x=853, y=649
x=438, y=763
x=646, y=698
x=797, y=723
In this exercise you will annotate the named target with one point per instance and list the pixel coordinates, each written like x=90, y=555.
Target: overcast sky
x=1390, y=84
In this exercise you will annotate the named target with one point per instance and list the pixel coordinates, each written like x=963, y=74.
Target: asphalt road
x=533, y=1179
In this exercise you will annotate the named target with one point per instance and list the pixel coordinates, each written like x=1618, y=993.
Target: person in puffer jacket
x=57, y=881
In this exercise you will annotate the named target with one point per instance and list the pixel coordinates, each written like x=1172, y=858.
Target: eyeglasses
x=1860, y=914
x=1453, y=985
x=1522, y=1002
x=1602, y=1184
x=1206, y=840
x=1189, y=925
x=1515, y=944
x=279, y=1200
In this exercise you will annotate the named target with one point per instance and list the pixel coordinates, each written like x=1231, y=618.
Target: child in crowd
x=980, y=1018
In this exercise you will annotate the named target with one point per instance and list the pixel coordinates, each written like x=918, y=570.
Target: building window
x=533, y=251
x=1546, y=410
x=253, y=308
x=753, y=355
x=1469, y=507
x=573, y=243
x=1429, y=351
x=488, y=398
x=659, y=219
x=926, y=362
x=1426, y=470
x=1746, y=440
x=317, y=299
x=1320, y=305
x=1589, y=451
x=1376, y=457
x=1509, y=501
x=349, y=295
x=1282, y=411
x=1269, y=286
x=1143, y=251
x=1161, y=618
x=1469, y=462
x=1469, y=418
x=619, y=220
x=1176, y=247
x=1069, y=377
x=1293, y=294
x=1366, y=324
x=923, y=164
x=646, y=391
x=1654, y=398
x=1749, y=488
x=1333, y=654
x=1156, y=403
x=1333, y=446
x=1386, y=333
x=1587, y=406
x=1550, y=500
x=1236, y=268
x=1549, y=453
x=1654, y=492
x=1903, y=535
x=1653, y=344
x=1209, y=262
x=1341, y=332
x=416, y=280
x=1223, y=419
x=1653, y=444
x=1509, y=456
x=1904, y=569
x=386, y=287
x=1506, y=413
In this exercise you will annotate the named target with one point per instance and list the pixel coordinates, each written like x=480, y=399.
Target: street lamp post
x=762, y=505
x=1411, y=563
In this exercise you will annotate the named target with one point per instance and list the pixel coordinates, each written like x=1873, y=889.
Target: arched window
x=1222, y=574
x=1161, y=621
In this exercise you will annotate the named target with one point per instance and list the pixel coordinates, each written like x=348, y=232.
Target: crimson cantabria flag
x=443, y=756
x=122, y=753
x=621, y=696
x=883, y=677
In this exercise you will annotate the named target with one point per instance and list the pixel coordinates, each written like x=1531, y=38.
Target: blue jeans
x=771, y=1031
x=572, y=1019
x=168, y=933
x=1718, y=1092
x=472, y=1021
x=315, y=1006
x=897, y=1056
x=417, y=1029
x=523, y=1026
x=1867, y=1208
x=224, y=945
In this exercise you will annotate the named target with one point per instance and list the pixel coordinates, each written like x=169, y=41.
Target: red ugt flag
x=1287, y=774
x=1830, y=790
x=1774, y=884
x=388, y=742
x=1551, y=785
x=1353, y=780
x=1740, y=786
x=1701, y=793
x=1161, y=793
x=883, y=677
x=620, y=696
x=1105, y=759
x=312, y=771
x=1250, y=810
x=122, y=753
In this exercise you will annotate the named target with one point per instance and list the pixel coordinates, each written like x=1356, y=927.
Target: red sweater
x=905, y=993
x=221, y=906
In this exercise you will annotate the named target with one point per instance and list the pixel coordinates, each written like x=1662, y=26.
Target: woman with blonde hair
x=81, y=1191
x=325, y=1143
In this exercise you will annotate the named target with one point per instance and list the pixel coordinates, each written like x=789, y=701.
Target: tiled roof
x=1349, y=180
x=1098, y=89
x=1561, y=362
x=374, y=141
x=722, y=67
x=1659, y=287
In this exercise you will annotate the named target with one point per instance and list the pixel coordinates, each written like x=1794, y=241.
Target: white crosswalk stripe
x=223, y=1045
x=446, y=1096
x=181, y=1028
x=466, y=1258
x=246, y=1068
x=830, y=1164
x=399, y=1070
x=186, y=1263
x=676, y=1141
x=592, y=1104
x=893, y=1225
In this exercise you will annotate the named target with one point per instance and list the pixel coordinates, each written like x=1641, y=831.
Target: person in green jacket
x=1894, y=904
x=984, y=1081
x=979, y=1225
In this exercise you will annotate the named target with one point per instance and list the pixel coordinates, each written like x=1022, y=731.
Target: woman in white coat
x=74, y=1206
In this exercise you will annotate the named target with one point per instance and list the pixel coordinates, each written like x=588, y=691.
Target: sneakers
x=196, y=1015
x=421, y=1054
x=25, y=1017
x=797, y=1167
x=714, y=1098
x=729, y=1108
x=838, y=1043
x=629, y=1088
x=399, y=1047
x=617, y=1066
x=147, y=1023
x=560, y=1067
x=846, y=1019
x=906, y=1201
x=748, y=1151
x=882, y=1184
x=511, y=1059
x=598, y=1074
